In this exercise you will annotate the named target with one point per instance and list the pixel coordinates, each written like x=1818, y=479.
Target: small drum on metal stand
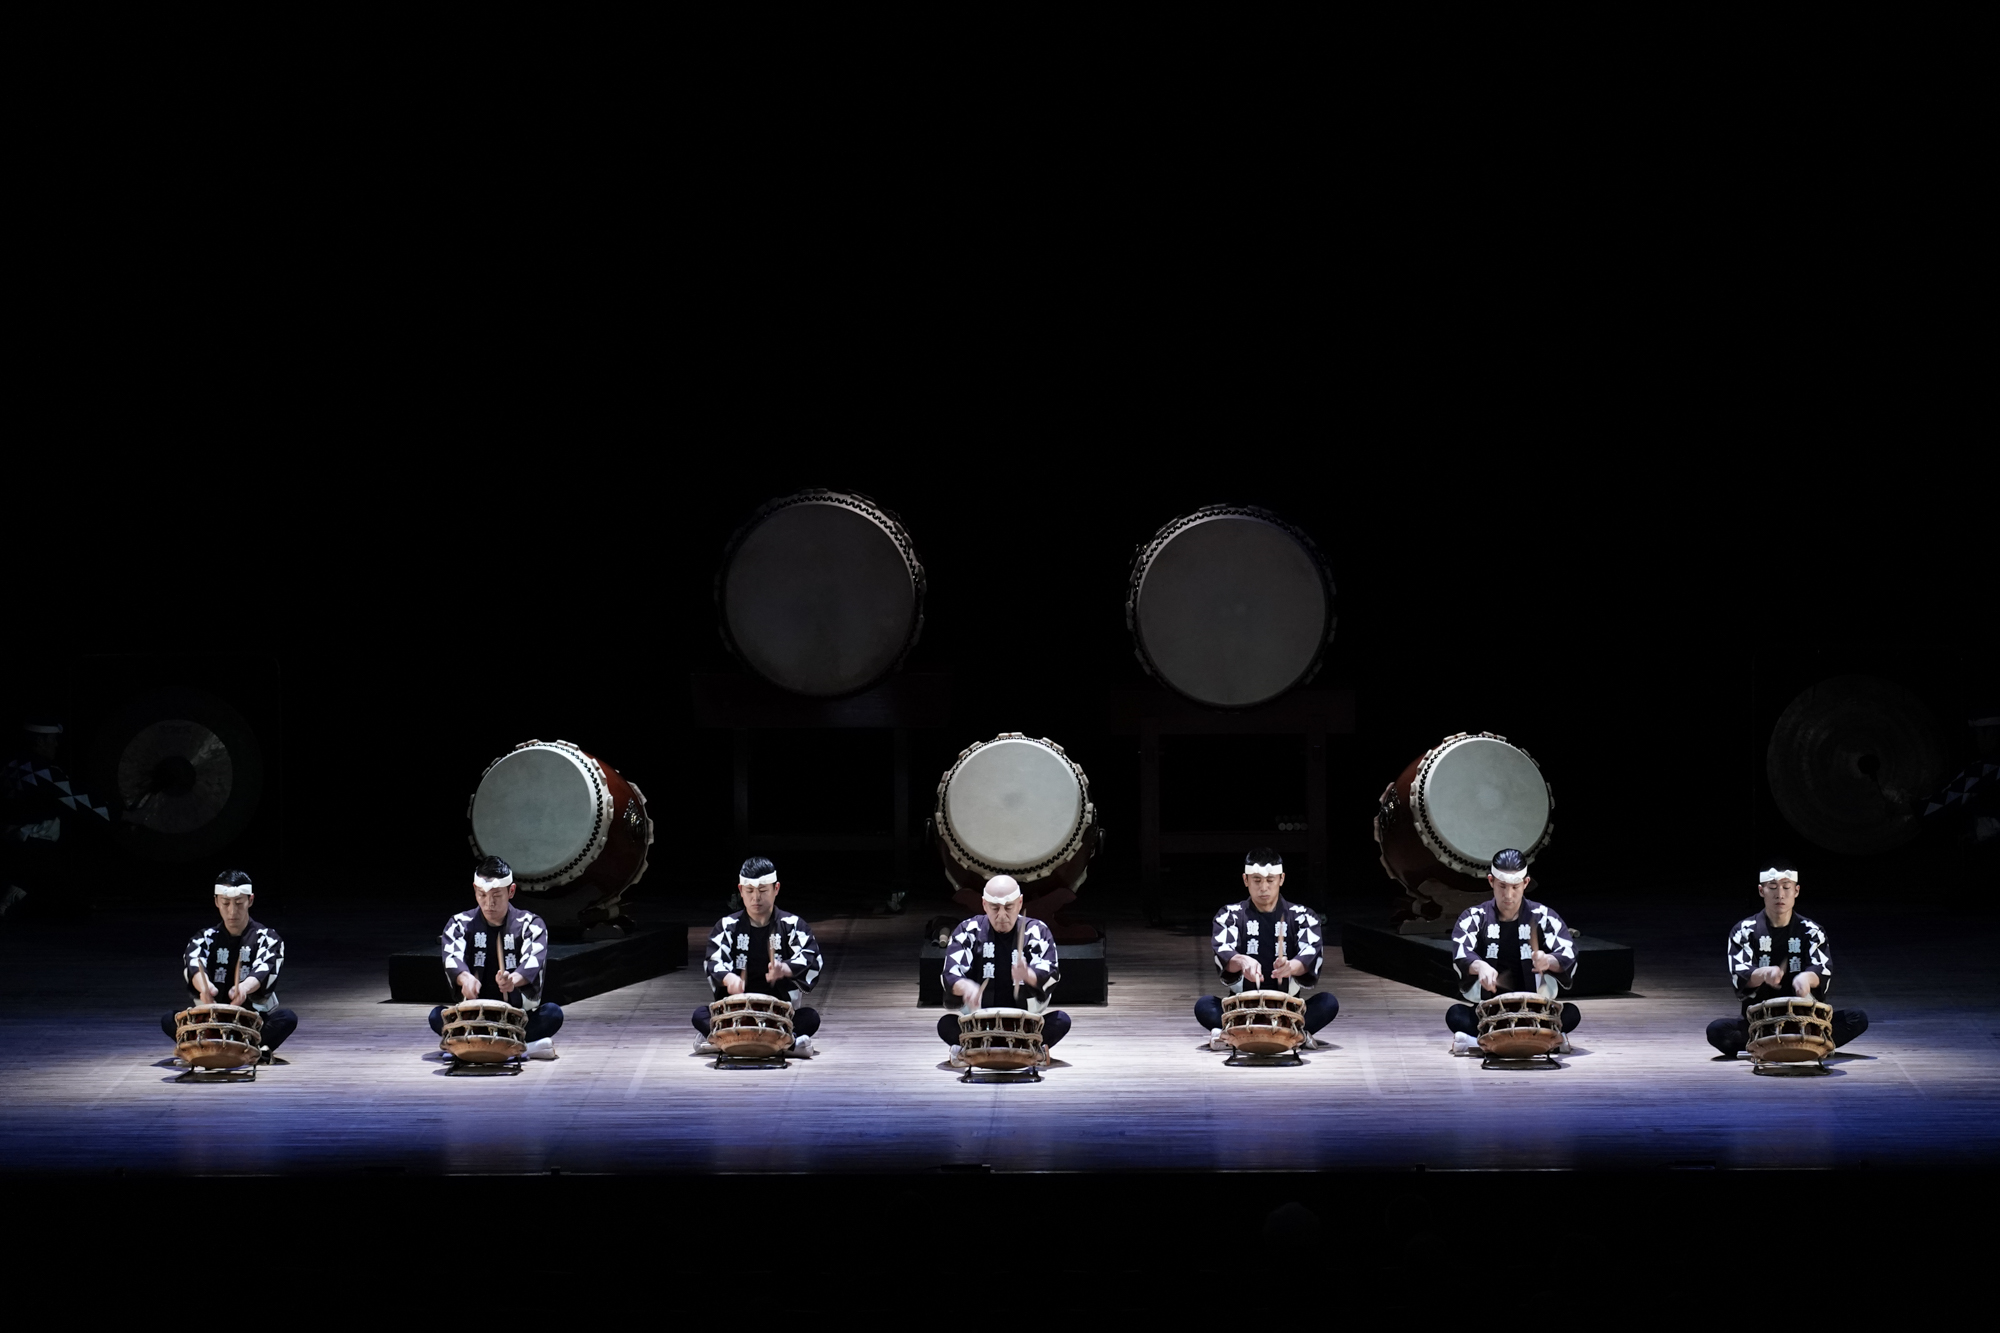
x=1016, y=806
x=486, y=1032
x=1264, y=1023
x=750, y=1027
x=1789, y=1031
x=1002, y=1041
x=1443, y=818
x=1520, y=1025
x=575, y=831
x=219, y=1037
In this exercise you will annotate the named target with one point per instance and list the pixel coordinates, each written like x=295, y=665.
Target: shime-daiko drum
x=1790, y=1030
x=821, y=593
x=1443, y=819
x=1001, y=1039
x=484, y=1032
x=750, y=1025
x=1519, y=1025
x=1263, y=1022
x=1015, y=806
x=1230, y=606
x=218, y=1036
x=575, y=831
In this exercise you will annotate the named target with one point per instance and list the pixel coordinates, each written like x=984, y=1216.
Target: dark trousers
x=1465, y=1018
x=544, y=1022
x=278, y=1025
x=1321, y=1009
x=1055, y=1026
x=1731, y=1035
x=805, y=1022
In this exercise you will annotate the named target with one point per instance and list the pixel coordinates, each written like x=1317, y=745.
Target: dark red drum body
x=1446, y=815
x=573, y=828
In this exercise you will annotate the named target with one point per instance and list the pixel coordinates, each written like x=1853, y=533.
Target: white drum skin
x=541, y=809
x=1473, y=796
x=1015, y=806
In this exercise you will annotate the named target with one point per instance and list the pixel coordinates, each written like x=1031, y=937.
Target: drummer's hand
x=1291, y=967
x=244, y=989
x=468, y=985
x=1803, y=983
x=777, y=971
x=1546, y=962
x=204, y=988
x=966, y=989
x=1488, y=978
x=506, y=981
x=732, y=983
x=1024, y=975
x=1767, y=976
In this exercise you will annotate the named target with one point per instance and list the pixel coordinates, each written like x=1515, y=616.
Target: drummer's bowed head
x=493, y=874
x=757, y=872
x=1509, y=867
x=232, y=884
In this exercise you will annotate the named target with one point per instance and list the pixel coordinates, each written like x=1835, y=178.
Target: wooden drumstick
x=774, y=947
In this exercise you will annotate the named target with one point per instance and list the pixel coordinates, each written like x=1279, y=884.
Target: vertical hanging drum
x=821, y=593
x=574, y=829
x=1015, y=806
x=1230, y=606
x=1446, y=815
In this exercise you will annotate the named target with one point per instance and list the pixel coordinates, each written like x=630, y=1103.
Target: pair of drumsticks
x=1277, y=961
x=1020, y=953
x=774, y=948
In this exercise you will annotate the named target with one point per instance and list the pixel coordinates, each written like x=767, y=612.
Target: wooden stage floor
x=85, y=1089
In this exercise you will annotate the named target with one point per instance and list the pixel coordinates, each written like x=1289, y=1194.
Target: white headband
x=771, y=878
x=232, y=890
x=480, y=881
x=1766, y=876
x=1507, y=876
x=1277, y=869
x=999, y=901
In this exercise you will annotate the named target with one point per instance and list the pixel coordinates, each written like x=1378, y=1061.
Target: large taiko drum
x=750, y=1025
x=1000, y=1039
x=574, y=830
x=1015, y=806
x=1519, y=1025
x=1790, y=1030
x=821, y=593
x=1263, y=1022
x=485, y=1032
x=1457, y=804
x=1230, y=606
x=218, y=1036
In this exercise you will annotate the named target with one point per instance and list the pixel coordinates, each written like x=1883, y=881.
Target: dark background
x=435, y=417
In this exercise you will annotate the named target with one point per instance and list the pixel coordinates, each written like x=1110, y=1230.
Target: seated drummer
x=1778, y=952
x=510, y=947
x=1509, y=943
x=972, y=962
x=740, y=958
x=237, y=964
x=1247, y=939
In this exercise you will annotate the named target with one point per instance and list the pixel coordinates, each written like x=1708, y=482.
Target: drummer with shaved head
x=762, y=951
x=1506, y=945
x=984, y=967
x=1267, y=942
x=500, y=952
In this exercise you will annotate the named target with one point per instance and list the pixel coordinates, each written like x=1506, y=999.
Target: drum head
x=1483, y=795
x=1232, y=609
x=818, y=597
x=537, y=809
x=1014, y=803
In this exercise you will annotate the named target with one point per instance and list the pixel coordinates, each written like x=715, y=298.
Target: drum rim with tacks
x=1264, y=1038
x=1413, y=852
x=613, y=856
x=1025, y=1056
x=866, y=507
x=506, y=1041
x=204, y=1058
x=1780, y=1047
x=1068, y=860
x=1145, y=566
x=1517, y=1040
x=754, y=1039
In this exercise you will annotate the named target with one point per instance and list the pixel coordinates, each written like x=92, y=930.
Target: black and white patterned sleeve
x=453, y=941
x=1228, y=932
x=531, y=955
x=269, y=958
x=1742, y=954
x=1558, y=943
x=1819, y=959
x=1308, y=944
x=1040, y=947
x=1465, y=941
x=720, y=960
x=195, y=959
x=802, y=953
x=958, y=955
